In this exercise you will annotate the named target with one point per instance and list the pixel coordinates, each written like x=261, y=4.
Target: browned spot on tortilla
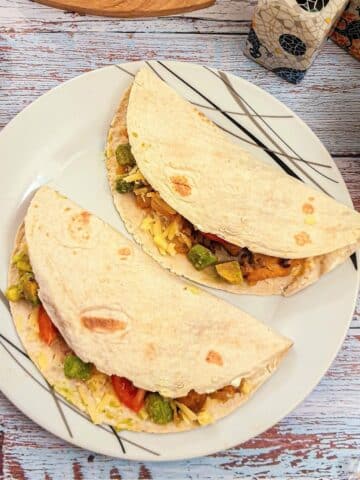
x=125, y=251
x=85, y=216
x=103, y=324
x=302, y=238
x=204, y=117
x=181, y=185
x=214, y=357
x=79, y=226
x=311, y=199
x=67, y=209
x=150, y=351
x=308, y=208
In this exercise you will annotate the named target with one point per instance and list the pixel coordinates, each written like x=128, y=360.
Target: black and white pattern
x=292, y=75
x=285, y=36
x=312, y=5
x=292, y=44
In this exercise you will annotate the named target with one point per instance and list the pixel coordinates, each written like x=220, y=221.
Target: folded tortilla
x=220, y=188
x=114, y=307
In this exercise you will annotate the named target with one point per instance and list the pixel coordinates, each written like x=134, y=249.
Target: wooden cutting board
x=129, y=8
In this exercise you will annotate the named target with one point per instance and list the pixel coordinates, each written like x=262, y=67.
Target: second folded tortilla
x=314, y=267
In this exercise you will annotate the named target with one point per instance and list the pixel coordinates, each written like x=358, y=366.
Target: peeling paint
x=114, y=474
x=77, y=471
x=15, y=469
x=144, y=473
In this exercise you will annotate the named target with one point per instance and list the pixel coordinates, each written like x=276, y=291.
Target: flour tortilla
x=147, y=91
x=85, y=268
x=220, y=188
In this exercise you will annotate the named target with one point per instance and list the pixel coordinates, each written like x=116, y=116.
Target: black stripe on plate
x=124, y=70
x=59, y=399
x=353, y=259
x=118, y=439
x=14, y=346
x=277, y=159
x=49, y=390
x=244, y=105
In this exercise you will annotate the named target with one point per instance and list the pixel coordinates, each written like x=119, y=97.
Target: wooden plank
x=35, y=62
x=350, y=170
x=319, y=439
x=226, y=16
x=129, y=8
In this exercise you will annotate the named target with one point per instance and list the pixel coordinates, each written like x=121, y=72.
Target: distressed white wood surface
x=41, y=47
x=225, y=15
x=327, y=99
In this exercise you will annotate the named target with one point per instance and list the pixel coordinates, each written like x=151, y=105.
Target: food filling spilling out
x=173, y=234
x=148, y=405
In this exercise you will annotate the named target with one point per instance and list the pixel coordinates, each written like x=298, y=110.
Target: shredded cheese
x=186, y=412
x=171, y=249
x=186, y=239
x=245, y=387
x=156, y=227
x=163, y=234
x=172, y=230
x=161, y=243
x=146, y=224
x=89, y=402
x=107, y=401
x=205, y=418
x=140, y=191
x=143, y=414
x=42, y=361
x=134, y=177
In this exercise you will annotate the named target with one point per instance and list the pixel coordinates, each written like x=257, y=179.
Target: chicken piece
x=142, y=201
x=193, y=400
x=161, y=207
x=224, y=393
x=264, y=266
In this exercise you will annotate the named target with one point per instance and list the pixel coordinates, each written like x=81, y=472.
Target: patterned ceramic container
x=286, y=35
x=347, y=31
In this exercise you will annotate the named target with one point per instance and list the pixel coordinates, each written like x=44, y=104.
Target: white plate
x=60, y=139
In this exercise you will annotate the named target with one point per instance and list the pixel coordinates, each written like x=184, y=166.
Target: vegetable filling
x=173, y=234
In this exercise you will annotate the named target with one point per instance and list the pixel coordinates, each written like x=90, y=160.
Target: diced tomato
x=47, y=330
x=127, y=393
x=213, y=237
x=230, y=247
